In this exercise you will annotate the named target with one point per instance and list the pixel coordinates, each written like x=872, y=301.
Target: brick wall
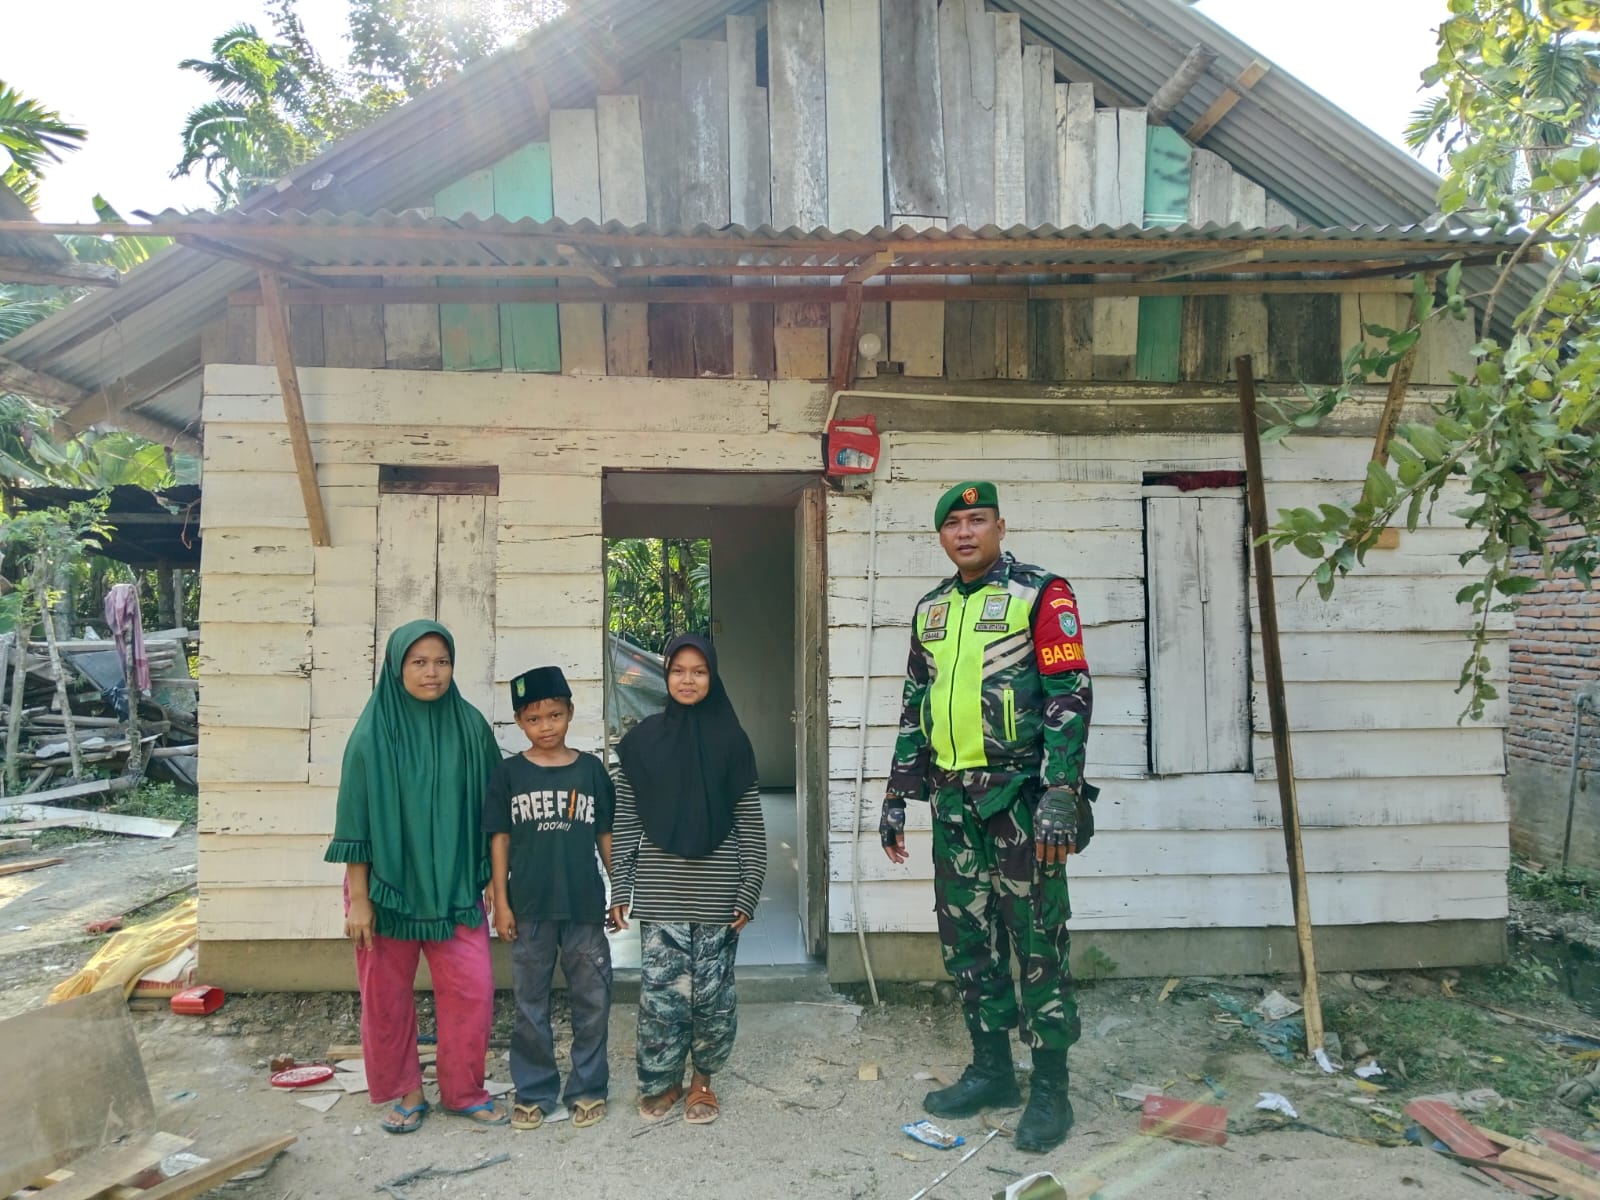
x=1555, y=649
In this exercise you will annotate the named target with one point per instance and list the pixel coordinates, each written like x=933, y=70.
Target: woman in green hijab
x=416, y=862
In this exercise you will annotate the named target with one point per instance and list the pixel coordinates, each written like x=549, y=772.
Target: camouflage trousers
x=687, y=1004
x=992, y=897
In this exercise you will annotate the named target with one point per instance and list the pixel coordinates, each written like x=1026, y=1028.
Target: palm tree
x=31, y=136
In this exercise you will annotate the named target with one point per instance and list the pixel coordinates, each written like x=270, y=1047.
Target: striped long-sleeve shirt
x=665, y=887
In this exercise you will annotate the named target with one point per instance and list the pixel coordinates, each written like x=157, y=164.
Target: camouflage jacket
x=997, y=688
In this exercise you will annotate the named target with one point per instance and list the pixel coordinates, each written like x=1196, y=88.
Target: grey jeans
x=586, y=961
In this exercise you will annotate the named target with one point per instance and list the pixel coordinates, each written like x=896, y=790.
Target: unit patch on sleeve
x=1058, y=632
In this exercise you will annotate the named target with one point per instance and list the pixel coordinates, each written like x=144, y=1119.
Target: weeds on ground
x=1563, y=891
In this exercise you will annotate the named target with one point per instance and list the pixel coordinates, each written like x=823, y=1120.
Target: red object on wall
x=853, y=446
x=198, y=1001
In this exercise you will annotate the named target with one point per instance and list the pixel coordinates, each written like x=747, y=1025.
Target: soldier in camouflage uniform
x=992, y=733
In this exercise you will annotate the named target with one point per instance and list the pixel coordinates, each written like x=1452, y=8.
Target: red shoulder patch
x=1058, y=631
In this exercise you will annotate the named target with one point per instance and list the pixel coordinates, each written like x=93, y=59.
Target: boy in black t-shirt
x=547, y=811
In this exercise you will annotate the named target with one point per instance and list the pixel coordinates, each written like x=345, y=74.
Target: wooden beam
x=584, y=267
x=1171, y=93
x=294, y=411
x=874, y=264
x=260, y=262
x=1277, y=703
x=36, y=385
x=794, y=247
x=825, y=294
x=14, y=269
x=844, y=347
x=1231, y=95
x=1204, y=266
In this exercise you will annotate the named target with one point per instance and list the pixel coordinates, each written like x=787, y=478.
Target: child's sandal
x=588, y=1112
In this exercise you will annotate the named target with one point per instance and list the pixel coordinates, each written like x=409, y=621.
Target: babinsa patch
x=1058, y=633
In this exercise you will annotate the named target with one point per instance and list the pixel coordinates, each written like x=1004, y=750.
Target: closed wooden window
x=1197, y=630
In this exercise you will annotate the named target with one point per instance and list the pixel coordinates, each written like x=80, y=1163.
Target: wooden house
x=614, y=281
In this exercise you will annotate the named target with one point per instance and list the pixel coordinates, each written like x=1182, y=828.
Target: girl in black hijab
x=689, y=856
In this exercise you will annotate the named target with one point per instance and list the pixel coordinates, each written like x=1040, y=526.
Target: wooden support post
x=288, y=381
x=19, y=660
x=844, y=348
x=1277, y=705
x=130, y=687
x=1396, y=400
x=58, y=668
x=1171, y=93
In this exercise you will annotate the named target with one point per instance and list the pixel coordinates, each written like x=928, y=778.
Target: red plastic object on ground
x=1184, y=1120
x=296, y=1077
x=198, y=1001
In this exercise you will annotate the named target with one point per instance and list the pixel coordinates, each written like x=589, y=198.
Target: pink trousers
x=463, y=997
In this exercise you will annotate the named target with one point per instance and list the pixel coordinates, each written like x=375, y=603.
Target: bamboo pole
x=57, y=668
x=1277, y=705
x=130, y=684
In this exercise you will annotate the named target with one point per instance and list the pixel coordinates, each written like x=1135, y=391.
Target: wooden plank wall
x=975, y=129
x=1403, y=808
x=290, y=630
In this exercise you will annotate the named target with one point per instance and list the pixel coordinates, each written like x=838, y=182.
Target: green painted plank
x=469, y=334
x=1166, y=202
x=530, y=334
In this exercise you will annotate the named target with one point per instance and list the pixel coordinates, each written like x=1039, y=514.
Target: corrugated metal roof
x=388, y=240
x=1303, y=149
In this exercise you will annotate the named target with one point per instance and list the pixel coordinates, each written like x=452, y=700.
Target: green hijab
x=411, y=801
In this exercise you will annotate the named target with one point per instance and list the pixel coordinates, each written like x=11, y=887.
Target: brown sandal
x=672, y=1095
x=526, y=1116
x=701, y=1095
x=588, y=1112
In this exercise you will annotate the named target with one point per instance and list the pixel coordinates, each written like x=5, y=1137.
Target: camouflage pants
x=992, y=896
x=687, y=1004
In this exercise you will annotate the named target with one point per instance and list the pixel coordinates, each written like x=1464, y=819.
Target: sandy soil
x=797, y=1120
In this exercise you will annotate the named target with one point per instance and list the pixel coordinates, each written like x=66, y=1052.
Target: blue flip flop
x=488, y=1107
x=405, y=1114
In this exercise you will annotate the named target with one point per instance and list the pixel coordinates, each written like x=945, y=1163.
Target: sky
x=123, y=84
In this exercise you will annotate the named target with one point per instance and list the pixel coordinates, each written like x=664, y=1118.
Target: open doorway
x=724, y=554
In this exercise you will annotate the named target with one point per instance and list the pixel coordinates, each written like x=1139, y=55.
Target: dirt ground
x=797, y=1120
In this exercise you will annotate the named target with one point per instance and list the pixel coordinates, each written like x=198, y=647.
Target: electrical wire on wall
x=861, y=755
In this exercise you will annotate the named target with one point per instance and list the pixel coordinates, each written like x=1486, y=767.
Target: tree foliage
x=280, y=102
x=1516, y=118
x=657, y=589
x=31, y=137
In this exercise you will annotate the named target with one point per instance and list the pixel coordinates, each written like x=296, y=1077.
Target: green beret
x=965, y=495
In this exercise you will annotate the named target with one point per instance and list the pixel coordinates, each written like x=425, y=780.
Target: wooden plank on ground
x=87, y=1177
x=99, y=821
x=913, y=127
x=575, y=196
x=71, y=791
x=31, y=864
x=98, y=1094
x=199, y=1180
x=469, y=334
x=620, y=139
x=852, y=36
x=530, y=334
x=15, y=845
x=1010, y=153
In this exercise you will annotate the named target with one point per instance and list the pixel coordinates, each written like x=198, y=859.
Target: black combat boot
x=1048, y=1117
x=990, y=1082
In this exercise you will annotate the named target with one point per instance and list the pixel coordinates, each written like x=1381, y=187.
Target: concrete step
x=756, y=985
